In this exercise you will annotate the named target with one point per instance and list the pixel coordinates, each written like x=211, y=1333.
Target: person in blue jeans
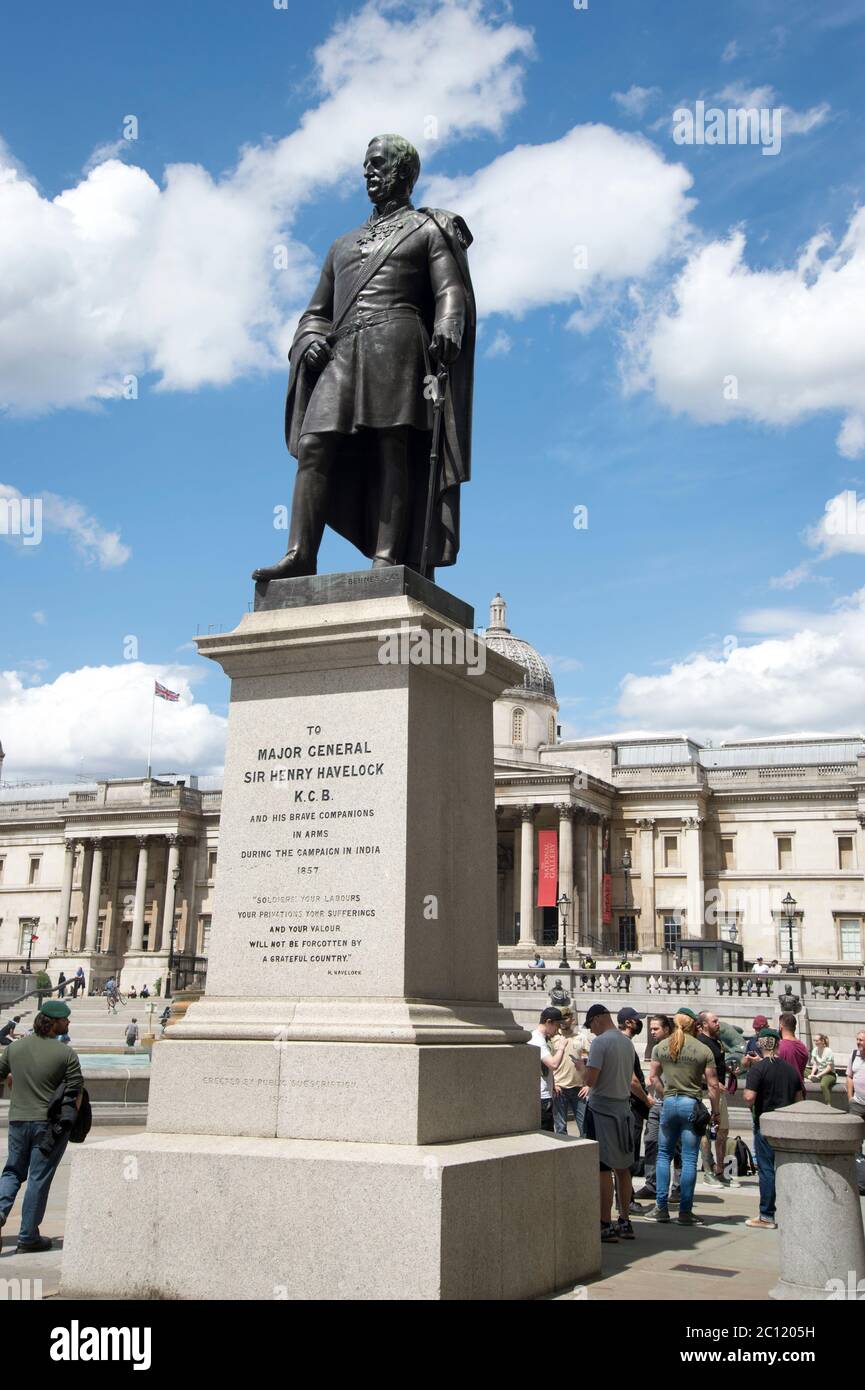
x=38, y=1065
x=772, y=1084
x=679, y=1066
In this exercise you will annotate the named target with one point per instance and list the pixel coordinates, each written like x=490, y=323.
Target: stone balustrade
x=708, y=984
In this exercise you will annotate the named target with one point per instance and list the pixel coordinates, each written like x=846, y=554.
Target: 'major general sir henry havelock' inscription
x=314, y=890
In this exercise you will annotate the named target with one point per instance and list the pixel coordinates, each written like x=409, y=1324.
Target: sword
x=426, y=569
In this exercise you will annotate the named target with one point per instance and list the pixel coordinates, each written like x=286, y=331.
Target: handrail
x=50, y=989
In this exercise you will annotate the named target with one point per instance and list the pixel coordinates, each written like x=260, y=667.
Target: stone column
x=174, y=843
x=595, y=854
x=693, y=862
x=566, y=876
x=136, y=942
x=821, y=1245
x=515, y=883
x=581, y=875
x=93, y=897
x=187, y=942
x=86, y=861
x=113, y=920
x=527, y=877
x=647, y=924
x=65, y=895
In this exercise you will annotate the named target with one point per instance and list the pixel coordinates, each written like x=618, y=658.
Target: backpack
x=744, y=1159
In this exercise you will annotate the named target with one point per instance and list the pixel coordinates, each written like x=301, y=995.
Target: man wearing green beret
x=37, y=1064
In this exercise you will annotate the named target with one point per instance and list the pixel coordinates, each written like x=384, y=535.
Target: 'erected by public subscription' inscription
x=309, y=847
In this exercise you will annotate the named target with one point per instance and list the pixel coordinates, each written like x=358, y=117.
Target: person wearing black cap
x=551, y=1055
x=609, y=1073
x=631, y=1024
x=772, y=1084
x=38, y=1066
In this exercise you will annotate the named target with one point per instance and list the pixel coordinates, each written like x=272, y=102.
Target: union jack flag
x=164, y=693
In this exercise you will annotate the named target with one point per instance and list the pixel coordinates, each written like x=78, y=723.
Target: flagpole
x=152, y=717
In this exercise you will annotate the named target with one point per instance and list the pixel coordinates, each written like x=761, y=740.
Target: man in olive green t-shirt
x=38, y=1065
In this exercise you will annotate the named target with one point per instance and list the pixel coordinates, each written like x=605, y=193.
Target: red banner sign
x=548, y=867
x=608, y=899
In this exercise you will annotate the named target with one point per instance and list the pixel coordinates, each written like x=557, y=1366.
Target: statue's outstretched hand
x=446, y=343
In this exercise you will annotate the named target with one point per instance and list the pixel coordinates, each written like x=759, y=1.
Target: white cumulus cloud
x=47, y=511
x=199, y=279
x=806, y=675
x=96, y=721
x=636, y=100
x=500, y=345
x=792, y=122
x=588, y=191
x=772, y=345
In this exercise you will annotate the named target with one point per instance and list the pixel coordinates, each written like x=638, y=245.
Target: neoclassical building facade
x=657, y=841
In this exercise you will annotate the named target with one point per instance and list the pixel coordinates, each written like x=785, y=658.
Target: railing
x=188, y=972
x=682, y=983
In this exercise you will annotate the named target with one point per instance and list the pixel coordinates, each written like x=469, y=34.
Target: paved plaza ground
x=721, y=1261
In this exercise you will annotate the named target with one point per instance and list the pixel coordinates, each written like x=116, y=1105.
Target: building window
x=70, y=934
x=204, y=935
x=552, y=729
x=627, y=935
x=671, y=851
x=2, y=866
x=785, y=851
x=100, y=929
x=845, y=852
x=672, y=930
x=211, y=864
x=850, y=929
x=33, y=878
x=728, y=852
x=518, y=720
x=28, y=928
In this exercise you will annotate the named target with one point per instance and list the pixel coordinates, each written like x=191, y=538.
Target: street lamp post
x=563, y=904
x=626, y=869
x=789, y=906
x=171, y=935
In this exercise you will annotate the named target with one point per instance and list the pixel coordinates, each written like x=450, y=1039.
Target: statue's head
x=391, y=167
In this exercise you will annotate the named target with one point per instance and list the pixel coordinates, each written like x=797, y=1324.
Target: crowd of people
x=669, y=1123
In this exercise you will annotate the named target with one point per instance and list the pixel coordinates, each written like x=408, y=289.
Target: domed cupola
x=537, y=680
x=524, y=715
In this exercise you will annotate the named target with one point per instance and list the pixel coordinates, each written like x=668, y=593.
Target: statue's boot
x=308, y=511
x=393, y=501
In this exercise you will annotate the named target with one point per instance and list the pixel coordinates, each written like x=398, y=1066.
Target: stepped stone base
x=195, y=1217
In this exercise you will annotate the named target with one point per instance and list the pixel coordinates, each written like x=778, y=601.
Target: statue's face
x=381, y=172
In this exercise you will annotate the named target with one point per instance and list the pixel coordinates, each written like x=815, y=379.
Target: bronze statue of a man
x=394, y=306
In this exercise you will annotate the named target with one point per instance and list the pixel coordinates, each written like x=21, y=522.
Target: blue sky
x=708, y=594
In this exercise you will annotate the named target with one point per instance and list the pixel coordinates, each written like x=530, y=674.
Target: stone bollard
x=821, y=1238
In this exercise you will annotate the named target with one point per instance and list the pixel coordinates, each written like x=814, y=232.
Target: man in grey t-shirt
x=610, y=1078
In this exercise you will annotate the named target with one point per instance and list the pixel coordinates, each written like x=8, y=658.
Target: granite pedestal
x=349, y=1100
x=821, y=1239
